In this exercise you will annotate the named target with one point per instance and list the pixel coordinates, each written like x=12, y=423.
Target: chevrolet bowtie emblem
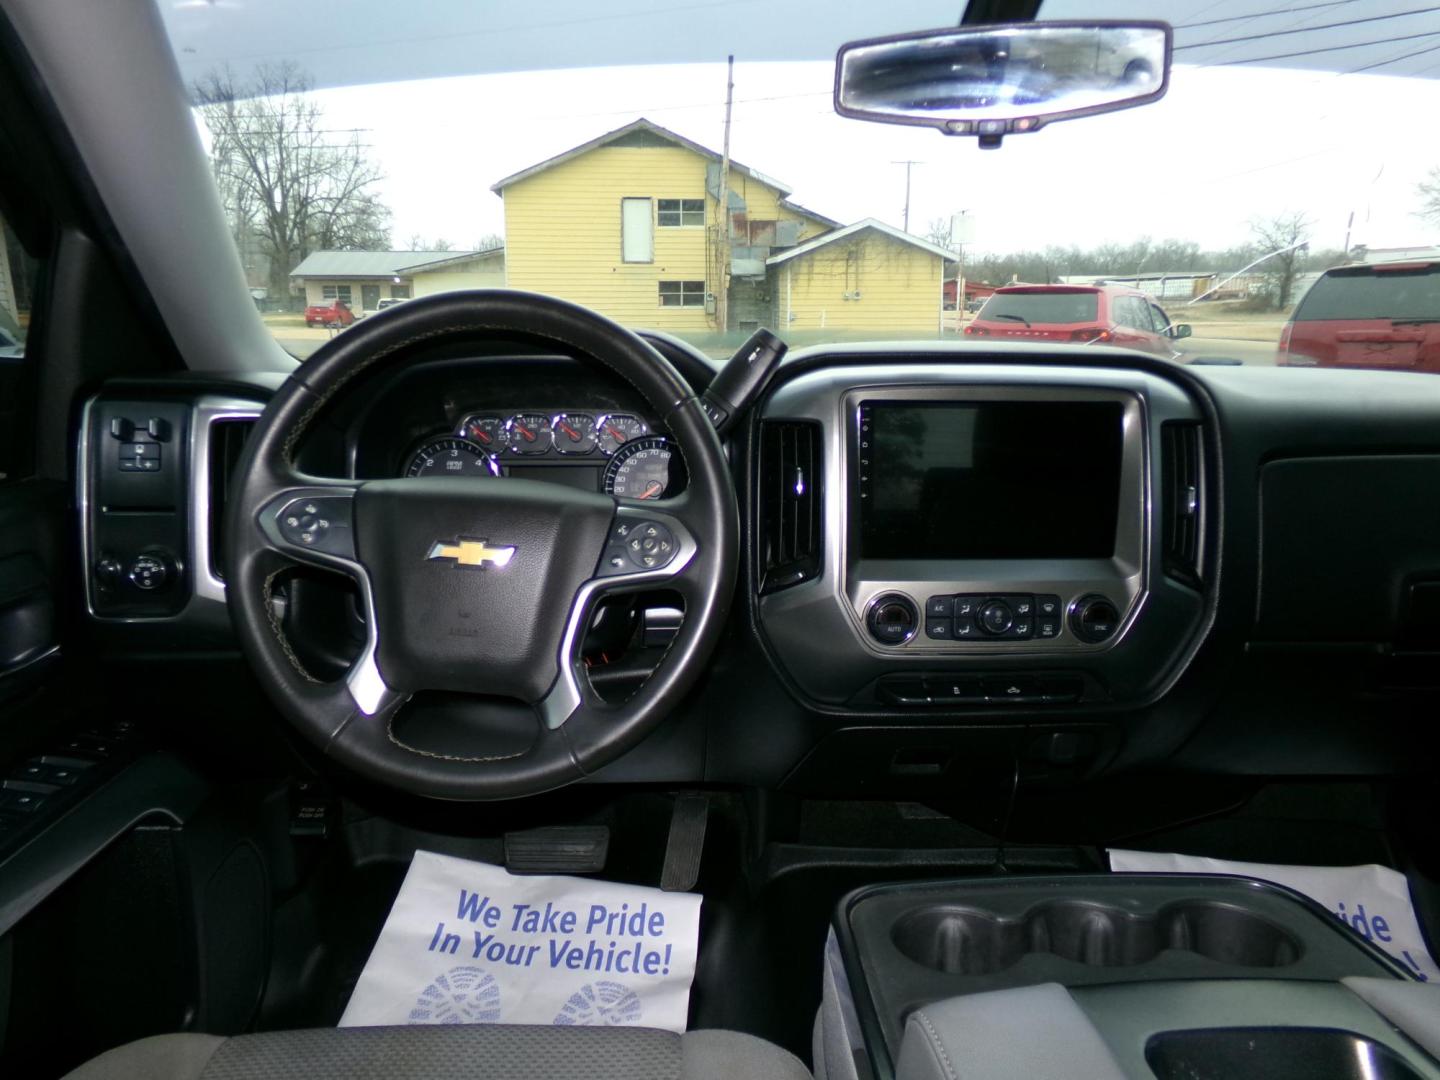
x=474, y=553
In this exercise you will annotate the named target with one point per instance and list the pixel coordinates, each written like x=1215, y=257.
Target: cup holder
x=968, y=941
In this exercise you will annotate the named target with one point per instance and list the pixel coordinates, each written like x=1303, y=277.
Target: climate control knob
x=1094, y=618
x=892, y=619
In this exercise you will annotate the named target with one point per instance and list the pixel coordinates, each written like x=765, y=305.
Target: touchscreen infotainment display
x=989, y=480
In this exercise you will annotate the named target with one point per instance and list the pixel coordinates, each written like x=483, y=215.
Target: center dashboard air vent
x=227, y=443
x=789, y=503
x=1182, y=479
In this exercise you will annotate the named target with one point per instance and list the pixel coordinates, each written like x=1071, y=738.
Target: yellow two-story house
x=630, y=224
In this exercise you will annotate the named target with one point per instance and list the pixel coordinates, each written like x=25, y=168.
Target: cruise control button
x=939, y=607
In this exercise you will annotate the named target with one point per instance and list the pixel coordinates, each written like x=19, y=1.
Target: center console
x=1114, y=976
x=987, y=535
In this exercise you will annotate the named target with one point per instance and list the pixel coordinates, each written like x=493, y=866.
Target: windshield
x=1034, y=308
x=612, y=157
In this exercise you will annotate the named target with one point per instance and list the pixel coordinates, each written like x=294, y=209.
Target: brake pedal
x=560, y=849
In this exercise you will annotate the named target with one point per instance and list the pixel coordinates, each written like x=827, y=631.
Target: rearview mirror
x=993, y=81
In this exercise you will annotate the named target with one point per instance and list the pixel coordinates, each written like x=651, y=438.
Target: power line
x=1395, y=60
x=1328, y=49
x=1262, y=14
x=1310, y=29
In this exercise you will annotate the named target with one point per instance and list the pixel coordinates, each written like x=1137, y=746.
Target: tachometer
x=615, y=431
x=452, y=457
x=640, y=470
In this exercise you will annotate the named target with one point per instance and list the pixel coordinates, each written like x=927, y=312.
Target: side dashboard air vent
x=1182, y=478
x=790, y=503
x=227, y=443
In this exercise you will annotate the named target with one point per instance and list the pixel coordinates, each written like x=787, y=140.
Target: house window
x=637, y=231
x=400, y=292
x=682, y=294
x=335, y=292
x=677, y=213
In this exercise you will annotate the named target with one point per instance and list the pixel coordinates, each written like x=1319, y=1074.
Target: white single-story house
x=363, y=278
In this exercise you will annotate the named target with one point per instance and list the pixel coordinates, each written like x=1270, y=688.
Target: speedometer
x=451, y=457
x=640, y=469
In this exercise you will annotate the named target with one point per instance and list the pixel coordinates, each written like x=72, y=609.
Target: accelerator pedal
x=686, y=844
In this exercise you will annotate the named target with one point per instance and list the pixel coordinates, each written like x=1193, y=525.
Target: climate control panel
x=895, y=619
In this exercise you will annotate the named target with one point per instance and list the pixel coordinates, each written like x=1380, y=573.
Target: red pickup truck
x=335, y=314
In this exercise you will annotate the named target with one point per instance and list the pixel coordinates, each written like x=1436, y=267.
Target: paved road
x=1250, y=353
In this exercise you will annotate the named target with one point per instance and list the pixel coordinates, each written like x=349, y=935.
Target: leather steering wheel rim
x=352, y=721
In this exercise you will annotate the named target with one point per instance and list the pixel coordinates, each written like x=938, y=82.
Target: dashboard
x=954, y=554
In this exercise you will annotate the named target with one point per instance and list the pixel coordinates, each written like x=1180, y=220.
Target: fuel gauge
x=617, y=430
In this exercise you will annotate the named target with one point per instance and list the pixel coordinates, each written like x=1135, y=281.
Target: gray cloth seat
x=450, y=1052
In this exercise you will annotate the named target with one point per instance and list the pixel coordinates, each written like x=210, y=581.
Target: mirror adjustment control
x=892, y=619
x=1094, y=618
x=149, y=572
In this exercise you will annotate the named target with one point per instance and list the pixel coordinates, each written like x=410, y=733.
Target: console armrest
x=1030, y=1033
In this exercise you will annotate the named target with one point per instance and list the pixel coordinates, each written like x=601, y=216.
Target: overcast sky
x=1227, y=144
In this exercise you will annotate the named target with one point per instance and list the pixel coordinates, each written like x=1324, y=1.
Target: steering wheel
x=435, y=560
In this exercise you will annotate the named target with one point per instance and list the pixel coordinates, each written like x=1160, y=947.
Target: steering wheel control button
x=1094, y=618
x=149, y=572
x=638, y=545
x=996, y=617
x=892, y=619
x=319, y=523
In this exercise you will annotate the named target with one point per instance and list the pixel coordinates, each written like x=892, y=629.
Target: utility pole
x=908, y=165
x=722, y=279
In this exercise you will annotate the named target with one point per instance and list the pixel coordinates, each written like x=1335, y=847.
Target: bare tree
x=287, y=180
x=489, y=242
x=938, y=232
x=1286, y=235
x=419, y=243
x=1429, y=192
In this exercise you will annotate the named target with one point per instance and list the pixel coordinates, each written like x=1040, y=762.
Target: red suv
x=1079, y=314
x=1377, y=315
